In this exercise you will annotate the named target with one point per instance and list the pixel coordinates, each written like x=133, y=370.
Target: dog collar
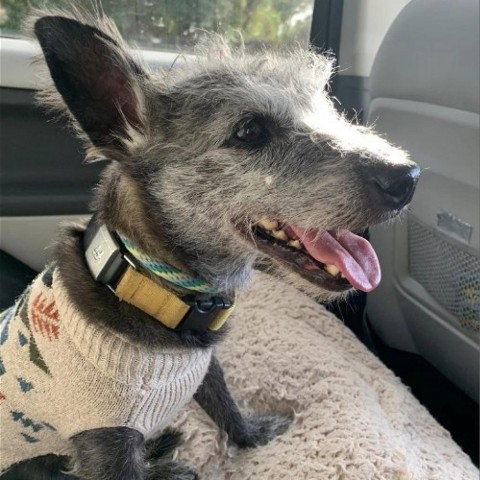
x=164, y=270
x=112, y=264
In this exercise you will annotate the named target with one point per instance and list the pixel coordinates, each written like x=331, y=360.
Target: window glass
x=171, y=25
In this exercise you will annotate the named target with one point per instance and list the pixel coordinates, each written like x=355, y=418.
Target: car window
x=175, y=25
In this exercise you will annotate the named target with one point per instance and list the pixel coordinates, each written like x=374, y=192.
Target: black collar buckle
x=202, y=312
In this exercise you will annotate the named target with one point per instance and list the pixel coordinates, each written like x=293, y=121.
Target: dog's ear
x=97, y=79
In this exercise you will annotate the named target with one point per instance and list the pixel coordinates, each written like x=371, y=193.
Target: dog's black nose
x=396, y=183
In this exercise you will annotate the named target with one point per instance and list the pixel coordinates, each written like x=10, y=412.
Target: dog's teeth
x=333, y=270
x=268, y=224
x=295, y=244
x=280, y=235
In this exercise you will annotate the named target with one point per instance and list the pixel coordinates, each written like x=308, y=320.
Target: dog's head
x=236, y=156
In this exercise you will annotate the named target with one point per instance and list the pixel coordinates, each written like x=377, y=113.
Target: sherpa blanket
x=354, y=419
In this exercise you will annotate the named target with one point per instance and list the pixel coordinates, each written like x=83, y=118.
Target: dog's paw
x=163, y=445
x=261, y=429
x=170, y=470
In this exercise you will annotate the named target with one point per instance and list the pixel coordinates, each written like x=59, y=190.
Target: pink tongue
x=353, y=255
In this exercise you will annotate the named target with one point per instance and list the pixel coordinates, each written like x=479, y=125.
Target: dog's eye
x=252, y=132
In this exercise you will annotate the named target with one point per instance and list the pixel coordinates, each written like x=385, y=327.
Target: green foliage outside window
x=176, y=24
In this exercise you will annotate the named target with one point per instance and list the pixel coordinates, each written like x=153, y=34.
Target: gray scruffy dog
x=225, y=160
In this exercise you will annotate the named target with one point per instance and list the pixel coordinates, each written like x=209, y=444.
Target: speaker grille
x=449, y=274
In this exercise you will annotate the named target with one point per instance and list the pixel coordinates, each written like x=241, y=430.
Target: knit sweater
x=61, y=374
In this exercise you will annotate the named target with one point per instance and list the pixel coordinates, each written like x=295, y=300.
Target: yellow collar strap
x=111, y=263
x=164, y=305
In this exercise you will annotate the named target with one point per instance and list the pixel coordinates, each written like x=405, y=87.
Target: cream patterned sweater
x=61, y=374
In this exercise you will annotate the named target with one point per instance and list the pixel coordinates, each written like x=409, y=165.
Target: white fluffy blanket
x=354, y=420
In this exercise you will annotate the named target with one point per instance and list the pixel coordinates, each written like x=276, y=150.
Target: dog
x=226, y=162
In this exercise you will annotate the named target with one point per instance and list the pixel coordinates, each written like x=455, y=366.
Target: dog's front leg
x=249, y=431
x=109, y=454
x=121, y=453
